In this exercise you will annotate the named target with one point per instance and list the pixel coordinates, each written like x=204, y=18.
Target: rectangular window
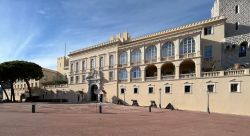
x=208, y=30
x=236, y=25
x=35, y=84
x=122, y=91
x=150, y=90
x=234, y=87
x=77, y=79
x=71, y=80
x=187, y=88
x=83, y=78
x=208, y=51
x=211, y=88
x=167, y=89
x=135, y=90
x=111, y=75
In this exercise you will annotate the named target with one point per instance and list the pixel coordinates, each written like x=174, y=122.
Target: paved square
x=83, y=119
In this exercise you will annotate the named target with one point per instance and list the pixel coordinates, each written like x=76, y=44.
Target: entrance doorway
x=93, y=90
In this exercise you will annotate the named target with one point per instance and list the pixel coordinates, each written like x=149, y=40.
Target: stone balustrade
x=187, y=76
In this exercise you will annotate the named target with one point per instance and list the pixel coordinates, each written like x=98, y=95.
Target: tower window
x=236, y=25
x=236, y=9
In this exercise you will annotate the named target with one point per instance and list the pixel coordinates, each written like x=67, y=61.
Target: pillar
x=128, y=57
x=128, y=75
x=158, y=73
x=177, y=70
x=143, y=73
x=158, y=52
x=198, y=67
x=142, y=54
x=198, y=45
x=177, y=48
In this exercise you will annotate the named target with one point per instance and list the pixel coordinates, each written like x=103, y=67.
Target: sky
x=37, y=30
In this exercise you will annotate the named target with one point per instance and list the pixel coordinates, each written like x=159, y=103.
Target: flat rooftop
x=84, y=119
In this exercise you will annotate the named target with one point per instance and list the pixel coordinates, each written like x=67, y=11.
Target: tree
x=9, y=75
x=20, y=70
x=2, y=82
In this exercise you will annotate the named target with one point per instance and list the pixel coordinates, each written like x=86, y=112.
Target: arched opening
x=187, y=46
x=151, y=71
x=187, y=67
x=93, y=94
x=243, y=49
x=168, y=70
x=167, y=50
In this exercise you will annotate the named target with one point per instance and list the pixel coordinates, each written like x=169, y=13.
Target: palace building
x=202, y=66
x=198, y=66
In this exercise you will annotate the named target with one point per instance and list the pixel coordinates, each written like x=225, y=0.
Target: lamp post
x=160, y=98
x=208, y=109
x=124, y=96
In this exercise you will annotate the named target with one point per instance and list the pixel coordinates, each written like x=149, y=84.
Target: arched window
x=151, y=53
x=92, y=64
x=136, y=72
x=187, y=46
x=101, y=62
x=111, y=60
x=243, y=49
x=123, y=58
x=136, y=56
x=123, y=74
x=167, y=49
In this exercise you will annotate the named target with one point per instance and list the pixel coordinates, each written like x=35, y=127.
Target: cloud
x=41, y=12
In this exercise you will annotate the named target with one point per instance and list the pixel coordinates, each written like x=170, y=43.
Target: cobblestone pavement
x=84, y=119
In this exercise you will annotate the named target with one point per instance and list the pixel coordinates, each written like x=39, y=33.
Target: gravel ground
x=84, y=119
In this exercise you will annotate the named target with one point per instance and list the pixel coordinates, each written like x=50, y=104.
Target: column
x=198, y=67
x=128, y=76
x=142, y=54
x=158, y=48
x=128, y=57
x=143, y=73
x=198, y=45
x=177, y=70
x=177, y=49
x=158, y=73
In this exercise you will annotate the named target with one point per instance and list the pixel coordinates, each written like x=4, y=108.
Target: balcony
x=168, y=77
x=235, y=72
x=187, y=55
x=122, y=65
x=169, y=58
x=151, y=78
x=150, y=61
x=111, y=67
x=135, y=63
x=135, y=79
x=210, y=74
x=123, y=80
x=187, y=76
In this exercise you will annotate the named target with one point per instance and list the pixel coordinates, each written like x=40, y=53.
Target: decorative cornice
x=210, y=20
x=94, y=46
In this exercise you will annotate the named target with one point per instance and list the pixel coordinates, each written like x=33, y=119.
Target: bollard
x=33, y=108
x=100, y=108
x=150, y=108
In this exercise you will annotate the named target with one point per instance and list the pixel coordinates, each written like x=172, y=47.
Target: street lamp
x=160, y=98
x=124, y=96
x=208, y=109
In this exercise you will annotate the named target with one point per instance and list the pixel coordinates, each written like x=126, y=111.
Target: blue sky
x=36, y=30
